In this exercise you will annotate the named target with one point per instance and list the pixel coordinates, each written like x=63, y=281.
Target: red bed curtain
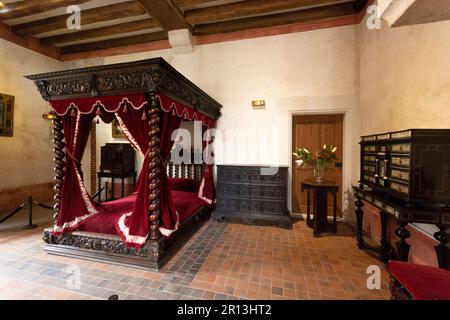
x=76, y=203
x=132, y=112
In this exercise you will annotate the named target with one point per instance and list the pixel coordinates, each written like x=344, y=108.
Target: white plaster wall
x=26, y=158
x=308, y=72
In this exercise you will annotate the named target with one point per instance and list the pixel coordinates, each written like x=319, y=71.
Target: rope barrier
x=29, y=203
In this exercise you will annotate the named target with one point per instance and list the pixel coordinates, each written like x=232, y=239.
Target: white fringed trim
x=200, y=193
x=128, y=134
x=126, y=231
x=184, y=112
x=99, y=103
x=166, y=232
x=84, y=194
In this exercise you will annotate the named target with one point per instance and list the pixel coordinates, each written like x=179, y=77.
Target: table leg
x=315, y=214
x=403, y=246
x=99, y=188
x=106, y=191
x=308, y=208
x=112, y=188
x=359, y=221
x=441, y=248
x=334, y=211
x=123, y=187
x=386, y=250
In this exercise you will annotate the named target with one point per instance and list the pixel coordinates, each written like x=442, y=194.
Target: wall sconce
x=48, y=116
x=259, y=104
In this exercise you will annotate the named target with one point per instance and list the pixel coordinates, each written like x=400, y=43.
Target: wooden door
x=312, y=132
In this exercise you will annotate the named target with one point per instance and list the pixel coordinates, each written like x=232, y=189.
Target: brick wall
x=12, y=198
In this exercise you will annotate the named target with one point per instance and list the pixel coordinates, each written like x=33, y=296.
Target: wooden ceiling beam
x=27, y=8
x=194, y=3
x=28, y=42
x=249, y=8
x=100, y=14
x=168, y=16
x=114, y=43
x=307, y=15
x=101, y=32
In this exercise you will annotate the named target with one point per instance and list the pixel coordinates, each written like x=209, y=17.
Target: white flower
x=305, y=150
x=324, y=146
x=299, y=163
x=334, y=149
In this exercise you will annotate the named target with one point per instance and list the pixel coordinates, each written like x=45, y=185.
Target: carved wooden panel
x=252, y=194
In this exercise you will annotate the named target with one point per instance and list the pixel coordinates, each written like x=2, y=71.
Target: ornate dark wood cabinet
x=406, y=174
x=412, y=165
x=253, y=195
x=117, y=157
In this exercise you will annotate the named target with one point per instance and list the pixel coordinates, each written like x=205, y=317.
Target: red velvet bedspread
x=186, y=203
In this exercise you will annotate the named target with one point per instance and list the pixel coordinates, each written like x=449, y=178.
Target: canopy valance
x=137, y=101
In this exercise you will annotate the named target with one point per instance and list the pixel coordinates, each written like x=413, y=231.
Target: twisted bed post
x=155, y=161
x=59, y=159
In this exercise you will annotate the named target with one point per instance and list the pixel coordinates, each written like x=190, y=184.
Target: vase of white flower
x=319, y=173
x=319, y=161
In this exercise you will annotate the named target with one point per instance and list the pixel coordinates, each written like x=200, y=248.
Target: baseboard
x=14, y=197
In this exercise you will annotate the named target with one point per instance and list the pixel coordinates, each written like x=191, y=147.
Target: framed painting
x=6, y=115
x=117, y=131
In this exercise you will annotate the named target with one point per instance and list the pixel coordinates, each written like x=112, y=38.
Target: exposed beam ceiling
x=106, y=44
x=26, y=8
x=306, y=15
x=114, y=25
x=101, y=32
x=105, y=13
x=168, y=16
x=248, y=9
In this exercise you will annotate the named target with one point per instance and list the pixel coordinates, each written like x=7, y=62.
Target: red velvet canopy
x=77, y=206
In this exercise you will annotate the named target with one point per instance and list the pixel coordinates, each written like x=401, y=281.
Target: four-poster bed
x=150, y=99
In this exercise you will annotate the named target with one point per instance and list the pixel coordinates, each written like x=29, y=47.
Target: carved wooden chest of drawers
x=411, y=165
x=253, y=195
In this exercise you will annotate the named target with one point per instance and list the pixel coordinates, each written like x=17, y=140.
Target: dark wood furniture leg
x=99, y=178
x=441, y=248
x=154, y=171
x=359, y=222
x=402, y=246
x=112, y=188
x=315, y=213
x=319, y=212
x=60, y=164
x=334, y=211
x=308, y=208
x=385, y=250
x=123, y=187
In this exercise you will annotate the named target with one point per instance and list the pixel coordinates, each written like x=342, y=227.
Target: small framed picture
x=6, y=115
x=117, y=131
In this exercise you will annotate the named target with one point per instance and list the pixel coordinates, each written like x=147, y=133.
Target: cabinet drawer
x=399, y=174
x=400, y=188
x=401, y=161
x=370, y=148
x=369, y=158
x=401, y=148
x=369, y=168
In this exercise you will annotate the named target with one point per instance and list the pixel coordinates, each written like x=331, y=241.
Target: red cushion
x=186, y=203
x=181, y=184
x=422, y=282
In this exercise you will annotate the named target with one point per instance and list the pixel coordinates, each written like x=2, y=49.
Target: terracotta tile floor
x=222, y=261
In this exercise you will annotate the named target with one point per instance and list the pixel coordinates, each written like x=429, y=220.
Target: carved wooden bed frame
x=151, y=77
